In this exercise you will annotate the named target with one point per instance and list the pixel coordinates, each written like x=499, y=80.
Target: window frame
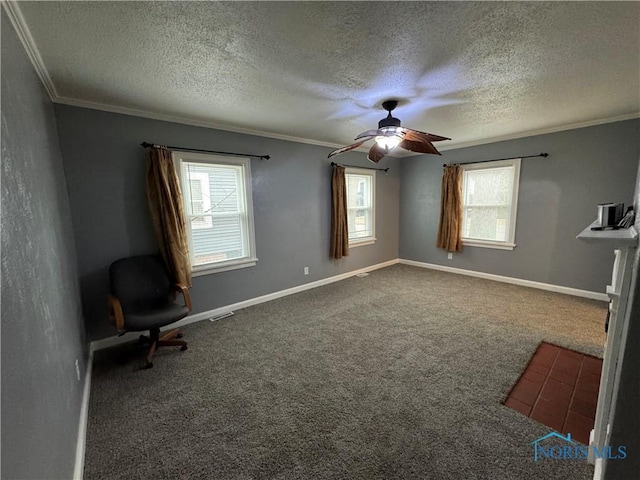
x=371, y=239
x=250, y=259
x=509, y=243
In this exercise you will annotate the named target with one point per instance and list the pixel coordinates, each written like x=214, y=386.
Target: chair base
x=167, y=340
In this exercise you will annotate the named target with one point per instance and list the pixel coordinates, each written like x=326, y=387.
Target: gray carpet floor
x=397, y=375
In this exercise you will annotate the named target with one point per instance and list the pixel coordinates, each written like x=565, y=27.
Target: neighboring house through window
x=361, y=205
x=218, y=211
x=198, y=198
x=490, y=203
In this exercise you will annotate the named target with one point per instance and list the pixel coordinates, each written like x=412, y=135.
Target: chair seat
x=138, y=321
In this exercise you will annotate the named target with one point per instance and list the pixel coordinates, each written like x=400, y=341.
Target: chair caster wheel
x=183, y=348
x=179, y=335
x=148, y=365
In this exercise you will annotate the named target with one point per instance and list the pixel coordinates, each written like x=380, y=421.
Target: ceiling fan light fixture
x=389, y=135
x=391, y=138
x=388, y=141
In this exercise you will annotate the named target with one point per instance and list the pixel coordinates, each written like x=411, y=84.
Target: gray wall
x=42, y=327
x=557, y=200
x=104, y=166
x=626, y=423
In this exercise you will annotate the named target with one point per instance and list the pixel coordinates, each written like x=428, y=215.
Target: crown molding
x=187, y=121
x=20, y=26
x=202, y=123
x=544, y=131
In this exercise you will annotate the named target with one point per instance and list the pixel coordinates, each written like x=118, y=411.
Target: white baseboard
x=116, y=340
x=515, y=281
x=81, y=444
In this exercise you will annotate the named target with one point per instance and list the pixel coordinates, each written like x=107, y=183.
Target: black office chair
x=143, y=298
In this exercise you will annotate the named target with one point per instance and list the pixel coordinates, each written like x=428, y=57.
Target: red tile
x=539, y=368
x=591, y=364
x=543, y=359
x=547, y=347
x=567, y=365
x=552, y=420
x=526, y=391
x=556, y=391
x=565, y=353
x=584, y=408
x=557, y=407
x=587, y=392
x=559, y=388
x=534, y=376
x=579, y=420
x=589, y=377
x=579, y=434
x=518, y=406
x=563, y=377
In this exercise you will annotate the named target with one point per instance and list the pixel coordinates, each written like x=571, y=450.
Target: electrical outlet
x=450, y=256
x=306, y=270
x=78, y=369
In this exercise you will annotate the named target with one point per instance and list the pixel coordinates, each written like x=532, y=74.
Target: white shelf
x=624, y=237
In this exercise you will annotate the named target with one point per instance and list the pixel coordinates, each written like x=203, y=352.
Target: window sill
x=494, y=245
x=362, y=243
x=201, y=270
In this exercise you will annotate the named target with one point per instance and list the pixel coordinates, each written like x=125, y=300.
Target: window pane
x=487, y=202
x=359, y=205
x=486, y=223
x=358, y=191
x=224, y=241
x=216, y=211
x=359, y=222
x=488, y=186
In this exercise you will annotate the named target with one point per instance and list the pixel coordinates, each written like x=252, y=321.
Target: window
x=360, y=206
x=218, y=211
x=490, y=202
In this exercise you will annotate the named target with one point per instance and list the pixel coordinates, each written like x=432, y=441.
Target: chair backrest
x=140, y=282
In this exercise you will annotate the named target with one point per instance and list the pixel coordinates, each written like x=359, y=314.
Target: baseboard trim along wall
x=81, y=444
x=515, y=281
x=116, y=340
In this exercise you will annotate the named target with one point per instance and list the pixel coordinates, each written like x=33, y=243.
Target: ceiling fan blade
x=376, y=153
x=347, y=148
x=370, y=133
x=420, y=147
x=415, y=135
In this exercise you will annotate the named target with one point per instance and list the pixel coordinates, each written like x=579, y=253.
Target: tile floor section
x=559, y=388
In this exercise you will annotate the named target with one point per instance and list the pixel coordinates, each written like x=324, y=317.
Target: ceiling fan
x=390, y=135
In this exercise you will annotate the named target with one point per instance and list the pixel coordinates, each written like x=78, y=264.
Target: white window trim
x=509, y=244
x=370, y=240
x=236, y=263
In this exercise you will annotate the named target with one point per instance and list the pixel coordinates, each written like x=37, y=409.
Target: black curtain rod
x=498, y=159
x=385, y=170
x=147, y=145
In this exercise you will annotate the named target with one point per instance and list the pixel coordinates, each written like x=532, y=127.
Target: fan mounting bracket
x=389, y=105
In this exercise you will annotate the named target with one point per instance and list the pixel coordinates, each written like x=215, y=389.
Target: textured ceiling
x=319, y=71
